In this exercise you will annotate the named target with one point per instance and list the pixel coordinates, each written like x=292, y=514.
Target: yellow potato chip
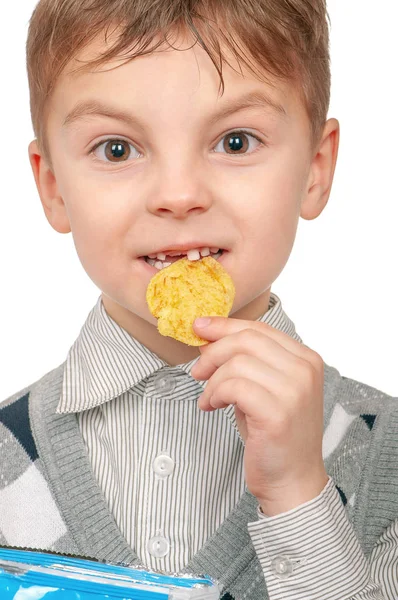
x=185, y=290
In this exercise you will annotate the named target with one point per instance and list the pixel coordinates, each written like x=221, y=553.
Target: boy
x=280, y=480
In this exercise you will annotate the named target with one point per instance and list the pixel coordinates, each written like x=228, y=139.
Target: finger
x=220, y=327
x=253, y=343
x=250, y=368
x=251, y=399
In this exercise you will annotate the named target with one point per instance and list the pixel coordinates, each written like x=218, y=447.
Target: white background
x=340, y=286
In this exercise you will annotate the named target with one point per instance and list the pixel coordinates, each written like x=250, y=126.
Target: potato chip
x=185, y=290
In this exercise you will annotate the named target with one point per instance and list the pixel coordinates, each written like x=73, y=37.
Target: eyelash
x=121, y=139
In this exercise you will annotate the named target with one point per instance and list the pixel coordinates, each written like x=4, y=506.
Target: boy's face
x=170, y=174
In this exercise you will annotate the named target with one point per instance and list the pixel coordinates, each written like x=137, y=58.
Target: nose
x=180, y=191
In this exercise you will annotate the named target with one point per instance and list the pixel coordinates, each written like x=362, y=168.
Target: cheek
x=102, y=212
x=98, y=227
x=271, y=222
x=98, y=210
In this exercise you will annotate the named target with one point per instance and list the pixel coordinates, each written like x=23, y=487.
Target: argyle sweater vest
x=48, y=489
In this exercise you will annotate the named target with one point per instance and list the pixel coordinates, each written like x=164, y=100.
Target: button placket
x=163, y=384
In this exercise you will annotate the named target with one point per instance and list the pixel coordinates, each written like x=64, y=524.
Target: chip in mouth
x=185, y=290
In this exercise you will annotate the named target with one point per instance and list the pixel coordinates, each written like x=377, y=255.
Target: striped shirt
x=171, y=473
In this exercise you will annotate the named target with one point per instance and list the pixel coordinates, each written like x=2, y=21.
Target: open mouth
x=191, y=255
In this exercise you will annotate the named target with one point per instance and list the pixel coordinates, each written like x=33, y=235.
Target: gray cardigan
x=36, y=442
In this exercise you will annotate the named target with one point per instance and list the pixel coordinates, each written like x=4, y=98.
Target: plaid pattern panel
x=20, y=472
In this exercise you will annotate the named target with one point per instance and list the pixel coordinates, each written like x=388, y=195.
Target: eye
x=113, y=150
x=237, y=142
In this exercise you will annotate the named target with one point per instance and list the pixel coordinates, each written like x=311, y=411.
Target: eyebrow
x=254, y=99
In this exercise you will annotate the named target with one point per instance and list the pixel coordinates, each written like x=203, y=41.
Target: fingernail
x=202, y=322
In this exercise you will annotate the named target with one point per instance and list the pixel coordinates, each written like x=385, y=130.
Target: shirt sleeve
x=311, y=552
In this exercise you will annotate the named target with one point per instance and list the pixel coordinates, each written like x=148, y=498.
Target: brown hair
x=287, y=38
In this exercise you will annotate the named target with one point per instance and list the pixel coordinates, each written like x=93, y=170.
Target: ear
x=322, y=169
x=46, y=184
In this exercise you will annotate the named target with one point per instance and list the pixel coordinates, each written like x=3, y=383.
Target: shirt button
x=163, y=465
x=158, y=546
x=282, y=567
x=164, y=384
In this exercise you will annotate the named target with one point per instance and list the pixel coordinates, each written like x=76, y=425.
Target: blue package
x=35, y=575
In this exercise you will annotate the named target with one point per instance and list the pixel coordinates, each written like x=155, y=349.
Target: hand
x=276, y=386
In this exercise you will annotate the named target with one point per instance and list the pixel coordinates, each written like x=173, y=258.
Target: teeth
x=193, y=254
x=202, y=251
x=160, y=265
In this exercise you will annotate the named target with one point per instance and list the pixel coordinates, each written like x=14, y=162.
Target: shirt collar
x=105, y=361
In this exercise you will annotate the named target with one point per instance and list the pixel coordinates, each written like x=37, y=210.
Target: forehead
x=185, y=71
